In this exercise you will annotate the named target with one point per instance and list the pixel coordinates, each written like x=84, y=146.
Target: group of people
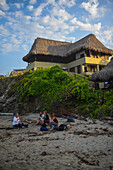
x=43, y=119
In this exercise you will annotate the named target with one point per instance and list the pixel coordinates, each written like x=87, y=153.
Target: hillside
x=55, y=90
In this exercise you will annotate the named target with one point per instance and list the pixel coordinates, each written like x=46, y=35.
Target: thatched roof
x=47, y=47
x=89, y=42
x=64, y=49
x=104, y=75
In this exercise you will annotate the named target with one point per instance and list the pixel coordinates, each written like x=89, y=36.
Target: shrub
x=55, y=87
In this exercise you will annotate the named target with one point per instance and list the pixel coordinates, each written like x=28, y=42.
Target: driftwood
x=6, y=114
x=93, y=133
x=7, y=128
x=107, y=118
x=86, y=161
x=92, y=118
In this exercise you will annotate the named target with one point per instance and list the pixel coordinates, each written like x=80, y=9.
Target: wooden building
x=17, y=72
x=85, y=56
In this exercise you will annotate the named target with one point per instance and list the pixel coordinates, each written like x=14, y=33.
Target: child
x=40, y=119
x=53, y=121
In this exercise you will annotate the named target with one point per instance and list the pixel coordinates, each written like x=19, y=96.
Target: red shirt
x=55, y=120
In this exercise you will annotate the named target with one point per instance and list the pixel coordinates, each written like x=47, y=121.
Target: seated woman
x=46, y=118
x=53, y=121
x=40, y=119
x=17, y=122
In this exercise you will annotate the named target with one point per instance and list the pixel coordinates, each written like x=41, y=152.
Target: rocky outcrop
x=6, y=101
x=9, y=103
x=4, y=82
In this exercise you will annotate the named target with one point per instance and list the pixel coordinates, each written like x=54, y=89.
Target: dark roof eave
x=29, y=57
x=109, y=52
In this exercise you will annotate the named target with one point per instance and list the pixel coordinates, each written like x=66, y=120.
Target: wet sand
x=84, y=146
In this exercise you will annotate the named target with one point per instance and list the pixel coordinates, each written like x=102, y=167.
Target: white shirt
x=42, y=116
x=16, y=121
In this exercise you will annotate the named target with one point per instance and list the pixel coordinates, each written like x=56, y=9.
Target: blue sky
x=22, y=21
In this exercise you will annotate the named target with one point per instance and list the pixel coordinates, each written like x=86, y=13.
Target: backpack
x=70, y=119
x=43, y=128
x=62, y=127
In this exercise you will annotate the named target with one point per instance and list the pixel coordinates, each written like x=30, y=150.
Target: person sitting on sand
x=46, y=118
x=40, y=119
x=17, y=122
x=53, y=121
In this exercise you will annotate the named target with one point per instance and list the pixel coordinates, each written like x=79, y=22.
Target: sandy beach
x=84, y=146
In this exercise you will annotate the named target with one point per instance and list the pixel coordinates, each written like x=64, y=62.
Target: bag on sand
x=43, y=128
x=62, y=127
x=70, y=119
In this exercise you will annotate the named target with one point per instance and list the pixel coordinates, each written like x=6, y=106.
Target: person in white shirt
x=17, y=122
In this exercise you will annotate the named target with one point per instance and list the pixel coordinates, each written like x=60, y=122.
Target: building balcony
x=99, y=61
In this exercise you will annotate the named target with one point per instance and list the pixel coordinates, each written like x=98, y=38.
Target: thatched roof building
x=17, y=72
x=46, y=47
x=104, y=75
x=85, y=56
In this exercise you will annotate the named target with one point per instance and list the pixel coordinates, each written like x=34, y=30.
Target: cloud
x=4, y=5
x=32, y=1
x=57, y=23
x=51, y=2
x=28, y=17
x=3, y=31
x=57, y=20
x=2, y=13
x=46, y=19
x=30, y=7
x=25, y=47
x=106, y=36
x=19, y=5
x=68, y=3
x=38, y=11
x=92, y=6
x=86, y=26
x=6, y=47
x=61, y=13
x=26, y=28
x=18, y=14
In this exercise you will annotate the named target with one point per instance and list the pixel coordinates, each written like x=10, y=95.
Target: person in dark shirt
x=46, y=117
x=53, y=121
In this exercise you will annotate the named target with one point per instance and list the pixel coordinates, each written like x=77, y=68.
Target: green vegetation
x=2, y=76
x=56, y=87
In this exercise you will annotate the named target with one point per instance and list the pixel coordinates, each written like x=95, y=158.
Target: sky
x=22, y=21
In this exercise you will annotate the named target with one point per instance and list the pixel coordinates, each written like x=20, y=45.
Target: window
x=75, y=56
x=87, y=53
x=82, y=55
x=101, y=67
x=79, y=69
x=92, y=68
x=85, y=69
x=95, y=54
x=72, y=69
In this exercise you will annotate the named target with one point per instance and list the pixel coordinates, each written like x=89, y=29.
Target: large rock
x=4, y=84
x=9, y=103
